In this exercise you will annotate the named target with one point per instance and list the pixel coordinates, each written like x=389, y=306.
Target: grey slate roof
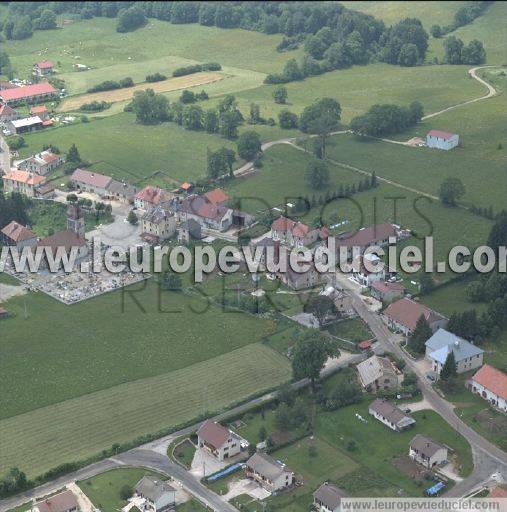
x=329, y=495
x=152, y=488
x=391, y=413
x=425, y=445
x=266, y=466
x=442, y=342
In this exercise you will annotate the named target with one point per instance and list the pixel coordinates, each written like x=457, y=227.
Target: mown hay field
x=127, y=93
x=81, y=427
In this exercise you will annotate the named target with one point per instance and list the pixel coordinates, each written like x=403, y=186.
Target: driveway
x=205, y=464
x=246, y=486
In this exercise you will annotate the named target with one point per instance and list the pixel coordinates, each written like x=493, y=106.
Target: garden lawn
x=352, y=329
x=377, y=445
x=104, y=490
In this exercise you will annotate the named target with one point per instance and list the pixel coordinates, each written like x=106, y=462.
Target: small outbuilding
x=442, y=140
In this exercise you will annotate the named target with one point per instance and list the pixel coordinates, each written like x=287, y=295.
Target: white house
x=439, y=346
x=390, y=415
x=327, y=498
x=491, y=384
x=158, y=495
x=268, y=472
x=427, y=452
x=441, y=140
x=403, y=315
x=218, y=440
x=378, y=373
x=41, y=163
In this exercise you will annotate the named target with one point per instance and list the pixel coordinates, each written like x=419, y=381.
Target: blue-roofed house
x=467, y=355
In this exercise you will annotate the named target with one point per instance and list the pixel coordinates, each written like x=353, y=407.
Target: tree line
x=463, y=16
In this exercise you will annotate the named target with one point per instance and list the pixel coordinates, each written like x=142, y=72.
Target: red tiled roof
x=58, y=503
x=39, y=109
x=213, y=433
x=7, y=85
x=406, y=312
x=364, y=345
x=152, y=195
x=385, y=287
x=47, y=122
x=440, y=134
x=24, y=177
x=27, y=91
x=366, y=236
x=90, y=178
x=300, y=229
x=283, y=224
x=211, y=211
x=492, y=379
x=45, y=64
x=49, y=157
x=186, y=185
x=500, y=491
x=17, y=232
x=216, y=196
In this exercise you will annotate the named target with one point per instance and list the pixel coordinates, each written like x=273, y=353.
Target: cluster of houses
x=17, y=235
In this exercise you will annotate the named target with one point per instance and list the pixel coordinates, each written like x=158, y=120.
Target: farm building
x=442, y=140
x=121, y=191
x=427, y=452
x=491, y=384
x=7, y=114
x=42, y=163
x=217, y=196
x=403, y=315
x=378, y=373
x=43, y=68
x=439, y=346
x=15, y=234
x=209, y=215
x=218, y=440
x=269, y=473
x=23, y=182
x=35, y=93
x=390, y=415
x=378, y=234
x=27, y=124
x=158, y=495
x=327, y=498
x=40, y=111
x=90, y=181
x=62, y=502
x=386, y=291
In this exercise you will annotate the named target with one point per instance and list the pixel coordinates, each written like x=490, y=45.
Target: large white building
x=157, y=495
x=439, y=346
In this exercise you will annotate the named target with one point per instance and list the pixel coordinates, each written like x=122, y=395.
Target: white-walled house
x=427, y=452
x=218, y=440
x=158, y=495
x=390, y=415
x=491, y=384
x=442, y=140
x=327, y=498
x=268, y=472
x=467, y=355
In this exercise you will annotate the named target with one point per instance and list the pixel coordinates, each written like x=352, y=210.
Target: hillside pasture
x=127, y=93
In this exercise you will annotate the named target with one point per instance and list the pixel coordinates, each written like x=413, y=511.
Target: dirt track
x=171, y=84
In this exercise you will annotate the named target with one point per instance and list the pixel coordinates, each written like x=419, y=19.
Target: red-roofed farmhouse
x=491, y=384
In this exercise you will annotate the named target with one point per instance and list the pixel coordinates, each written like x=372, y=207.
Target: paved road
x=488, y=458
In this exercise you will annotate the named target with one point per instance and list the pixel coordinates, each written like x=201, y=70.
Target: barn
x=442, y=140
